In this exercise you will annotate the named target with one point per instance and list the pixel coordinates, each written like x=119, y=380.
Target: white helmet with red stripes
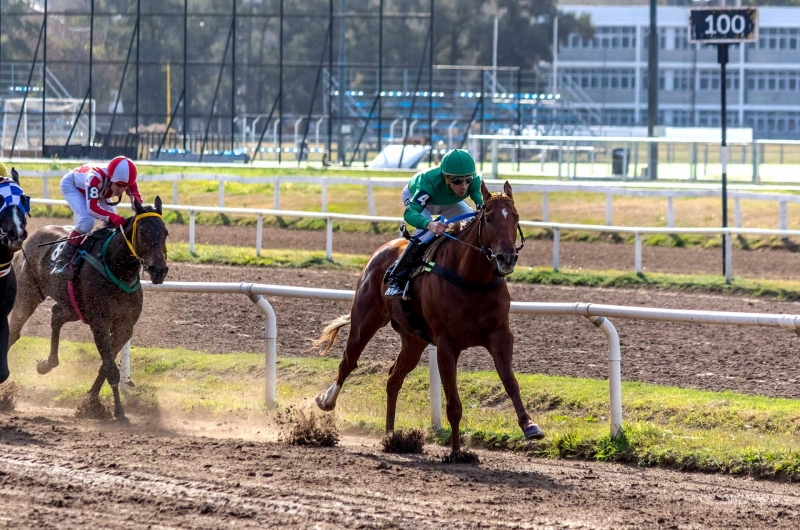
x=122, y=170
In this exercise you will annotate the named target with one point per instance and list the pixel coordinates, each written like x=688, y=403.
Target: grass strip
x=786, y=290
x=715, y=432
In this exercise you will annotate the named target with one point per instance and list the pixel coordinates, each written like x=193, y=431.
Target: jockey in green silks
x=441, y=190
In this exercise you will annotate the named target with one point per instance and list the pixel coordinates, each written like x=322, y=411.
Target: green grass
x=717, y=432
x=301, y=259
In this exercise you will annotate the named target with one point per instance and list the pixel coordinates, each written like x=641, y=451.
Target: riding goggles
x=458, y=181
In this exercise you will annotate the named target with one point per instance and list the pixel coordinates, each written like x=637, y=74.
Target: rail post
x=556, y=248
x=638, y=254
x=728, y=257
x=276, y=197
x=609, y=208
x=175, y=191
x=329, y=239
x=221, y=193
x=271, y=355
x=494, y=159
x=191, y=231
x=435, y=388
x=370, y=198
x=325, y=197
x=737, y=212
x=614, y=372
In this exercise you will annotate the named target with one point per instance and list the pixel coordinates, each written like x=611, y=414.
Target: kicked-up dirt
x=60, y=472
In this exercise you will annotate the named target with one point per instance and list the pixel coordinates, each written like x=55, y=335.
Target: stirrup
x=393, y=290
x=407, y=296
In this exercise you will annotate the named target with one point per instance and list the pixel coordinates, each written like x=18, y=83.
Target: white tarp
x=389, y=158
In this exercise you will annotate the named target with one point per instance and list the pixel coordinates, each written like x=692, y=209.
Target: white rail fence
x=556, y=229
x=596, y=313
x=546, y=188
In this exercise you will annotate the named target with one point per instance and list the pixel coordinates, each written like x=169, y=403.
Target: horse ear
x=158, y=204
x=507, y=189
x=137, y=206
x=485, y=192
x=15, y=175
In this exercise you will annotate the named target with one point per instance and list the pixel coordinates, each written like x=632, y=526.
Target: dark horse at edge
x=110, y=311
x=451, y=317
x=13, y=232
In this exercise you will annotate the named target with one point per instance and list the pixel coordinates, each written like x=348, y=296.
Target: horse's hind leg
x=410, y=352
x=501, y=346
x=58, y=318
x=363, y=326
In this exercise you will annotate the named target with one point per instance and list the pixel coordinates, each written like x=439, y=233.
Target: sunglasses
x=460, y=180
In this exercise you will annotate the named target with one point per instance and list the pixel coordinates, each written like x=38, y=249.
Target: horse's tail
x=329, y=334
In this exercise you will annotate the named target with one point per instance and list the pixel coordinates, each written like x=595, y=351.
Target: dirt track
x=58, y=472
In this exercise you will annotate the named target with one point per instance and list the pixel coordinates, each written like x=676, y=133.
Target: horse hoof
x=323, y=405
x=43, y=366
x=533, y=432
x=122, y=419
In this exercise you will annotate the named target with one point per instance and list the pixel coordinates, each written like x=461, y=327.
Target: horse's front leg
x=58, y=318
x=501, y=347
x=447, y=357
x=411, y=349
x=104, y=340
x=4, y=372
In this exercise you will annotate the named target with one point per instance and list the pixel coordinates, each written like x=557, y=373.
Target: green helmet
x=458, y=163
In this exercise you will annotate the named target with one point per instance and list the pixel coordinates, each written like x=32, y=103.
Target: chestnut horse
x=14, y=205
x=454, y=314
x=105, y=292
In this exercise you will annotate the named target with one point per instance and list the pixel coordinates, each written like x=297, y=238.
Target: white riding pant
x=449, y=211
x=82, y=220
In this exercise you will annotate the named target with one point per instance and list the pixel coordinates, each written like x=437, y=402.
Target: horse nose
x=507, y=259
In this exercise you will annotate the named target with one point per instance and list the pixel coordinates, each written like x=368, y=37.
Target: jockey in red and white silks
x=89, y=190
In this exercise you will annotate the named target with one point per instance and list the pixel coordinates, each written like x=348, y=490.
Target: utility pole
x=652, y=92
x=341, y=140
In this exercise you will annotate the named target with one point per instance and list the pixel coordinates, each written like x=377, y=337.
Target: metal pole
x=185, y=57
x=138, y=32
x=342, y=81
x=266, y=126
x=91, y=61
x=722, y=57
x=519, y=118
x=380, y=74
x=280, y=86
x=233, y=79
x=330, y=82
x=44, y=79
x=430, y=90
x=652, y=92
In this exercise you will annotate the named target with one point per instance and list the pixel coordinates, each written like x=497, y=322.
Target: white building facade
x=604, y=79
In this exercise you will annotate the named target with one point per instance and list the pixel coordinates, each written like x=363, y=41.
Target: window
x=773, y=80
x=681, y=39
x=605, y=38
x=776, y=39
x=682, y=80
x=596, y=78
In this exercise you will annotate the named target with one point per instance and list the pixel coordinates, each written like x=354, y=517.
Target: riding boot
x=399, y=273
x=64, y=259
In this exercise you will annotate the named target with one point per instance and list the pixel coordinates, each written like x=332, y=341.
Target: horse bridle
x=132, y=242
x=485, y=249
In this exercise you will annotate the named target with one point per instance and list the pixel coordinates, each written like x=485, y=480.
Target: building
x=604, y=78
